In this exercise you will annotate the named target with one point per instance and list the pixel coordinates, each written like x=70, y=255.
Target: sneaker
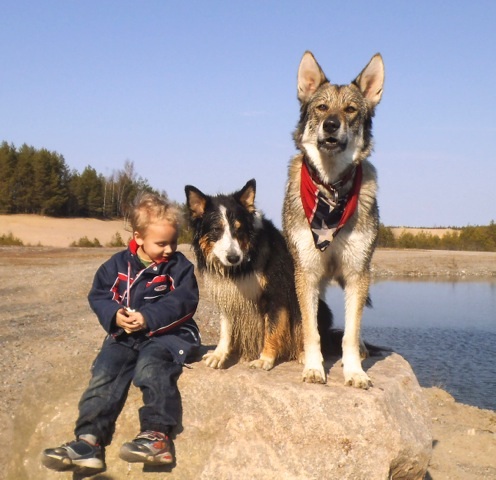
x=151, y=448
x=78, y=456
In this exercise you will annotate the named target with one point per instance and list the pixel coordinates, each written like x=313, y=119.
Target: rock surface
x=248, y=424
x=49, y=336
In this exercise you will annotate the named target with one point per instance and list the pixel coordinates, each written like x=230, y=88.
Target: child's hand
x=137, y=319
x=130, y=321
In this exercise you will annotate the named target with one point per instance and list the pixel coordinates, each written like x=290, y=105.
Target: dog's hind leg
x=356, y=292
x=218, y=357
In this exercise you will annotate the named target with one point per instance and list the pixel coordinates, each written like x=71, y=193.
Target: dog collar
x=327, y=215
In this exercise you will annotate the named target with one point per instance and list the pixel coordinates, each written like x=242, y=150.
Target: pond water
x=446, y=330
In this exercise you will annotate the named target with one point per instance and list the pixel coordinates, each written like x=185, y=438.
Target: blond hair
x=149, y=208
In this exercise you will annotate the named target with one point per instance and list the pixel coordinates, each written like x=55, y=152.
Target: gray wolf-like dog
x=248, y=272
x=330, y=213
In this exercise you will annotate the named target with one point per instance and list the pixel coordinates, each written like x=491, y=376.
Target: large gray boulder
x=248, y=424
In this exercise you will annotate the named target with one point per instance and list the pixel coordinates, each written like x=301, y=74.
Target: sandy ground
x=433, y=263
x=61, y=232
x=36, y=230
x=48, y=333
x=440, y=232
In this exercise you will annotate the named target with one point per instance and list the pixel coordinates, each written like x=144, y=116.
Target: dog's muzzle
x=331, y=136
x=234, y=259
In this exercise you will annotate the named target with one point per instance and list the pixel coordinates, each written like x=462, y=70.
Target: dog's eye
x=350, y=109
x=322, y=107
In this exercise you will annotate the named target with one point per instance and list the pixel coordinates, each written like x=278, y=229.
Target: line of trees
x=40, y=182
x=473, y=238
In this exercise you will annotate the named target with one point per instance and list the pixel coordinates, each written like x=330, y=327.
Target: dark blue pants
x=151, y=368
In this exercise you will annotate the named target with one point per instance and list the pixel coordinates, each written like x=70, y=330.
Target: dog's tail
x=331, y=339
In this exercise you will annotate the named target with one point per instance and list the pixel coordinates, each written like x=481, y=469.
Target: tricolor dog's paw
x=301, y=357
x=263, y=363
x=215, y=359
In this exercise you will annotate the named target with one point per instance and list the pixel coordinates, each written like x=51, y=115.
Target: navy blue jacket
x=165, y=293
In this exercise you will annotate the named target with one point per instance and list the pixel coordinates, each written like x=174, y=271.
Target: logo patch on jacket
x=165, y=282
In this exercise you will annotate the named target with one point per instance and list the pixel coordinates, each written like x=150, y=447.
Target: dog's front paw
x=313, y=372
x=312, y=375
x=263, y=363
x=215, y=359
x=358, y=380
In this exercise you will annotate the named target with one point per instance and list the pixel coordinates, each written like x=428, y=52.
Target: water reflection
x=446, y=330
x=424, y=304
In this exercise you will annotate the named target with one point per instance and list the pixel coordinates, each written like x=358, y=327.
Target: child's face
x=159, y=241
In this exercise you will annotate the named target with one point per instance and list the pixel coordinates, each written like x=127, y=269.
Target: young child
x=144, y=298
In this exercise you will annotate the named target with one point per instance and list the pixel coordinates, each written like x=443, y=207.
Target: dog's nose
x=331, y=124
x=233, y=259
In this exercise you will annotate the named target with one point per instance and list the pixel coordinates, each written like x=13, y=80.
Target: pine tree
x=51, y=183
x=23, y=182
x=8, y=161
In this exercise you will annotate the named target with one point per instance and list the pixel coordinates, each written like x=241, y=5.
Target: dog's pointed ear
x=246, y=196
x=310, y=77
x=371, y=80
x=196, y=201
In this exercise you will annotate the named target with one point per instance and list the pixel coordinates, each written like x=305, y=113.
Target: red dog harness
x=327, y=215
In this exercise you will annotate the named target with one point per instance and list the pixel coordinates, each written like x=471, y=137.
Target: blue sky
x=204, y=93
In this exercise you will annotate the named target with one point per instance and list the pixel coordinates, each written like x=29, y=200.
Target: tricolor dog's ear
x=310, y=77
x=371, y=80
x=246, y=196
x=196, y=201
